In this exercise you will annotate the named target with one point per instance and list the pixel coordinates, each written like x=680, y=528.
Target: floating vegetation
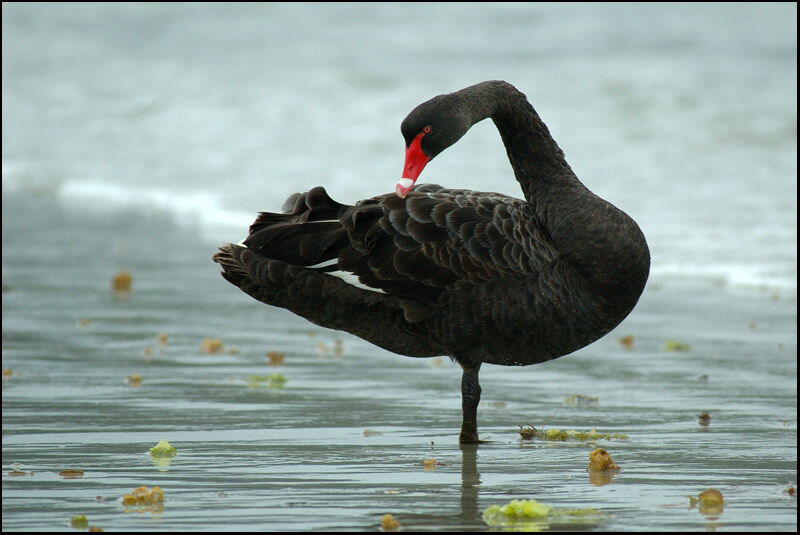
x=163, y=449
x=708, y=502
x=7, y=373
x=388, y=522
x=673, y=345
x=322, y=349
x=600, y=459
x=533, y=515
x=122, y=281
x=134, y=380
x=627, y=341
x=791, y=491
x=144, y=499
x=274, y=380
x=275, y=358
x=83, y=322
x=71, y=474
x=79, y=522
x=371, y=433
x=528, y=432
x=210, y=346
x=161, y=338
x=429, y=464
x=557, y=435
x=148, y=352
x=18, y=473
x=708, y=496
x=704, y=419
x=579, y=400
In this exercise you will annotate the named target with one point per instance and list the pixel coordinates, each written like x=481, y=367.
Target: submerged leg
x=470, y=396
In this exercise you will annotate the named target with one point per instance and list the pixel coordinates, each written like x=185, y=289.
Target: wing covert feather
x=436, y=240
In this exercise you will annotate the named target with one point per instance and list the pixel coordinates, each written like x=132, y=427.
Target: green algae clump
x=79, y=522
x=163, y=449
x=530, y=513
x=273, y=380
x=674, y=345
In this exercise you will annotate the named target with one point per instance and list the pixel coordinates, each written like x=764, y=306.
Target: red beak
x=415, y=163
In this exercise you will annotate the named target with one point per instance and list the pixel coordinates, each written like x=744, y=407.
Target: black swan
x=479, y=277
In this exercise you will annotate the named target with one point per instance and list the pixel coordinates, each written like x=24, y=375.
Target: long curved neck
x=536, y=158
x=599, y=240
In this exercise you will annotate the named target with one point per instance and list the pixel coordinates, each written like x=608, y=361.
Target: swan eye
x=426, y=130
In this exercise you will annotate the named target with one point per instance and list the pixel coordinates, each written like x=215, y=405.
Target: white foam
x=733, y=275
x=204, y=212
x=201, y=210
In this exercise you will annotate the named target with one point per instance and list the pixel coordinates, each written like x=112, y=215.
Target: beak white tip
x=403, y=187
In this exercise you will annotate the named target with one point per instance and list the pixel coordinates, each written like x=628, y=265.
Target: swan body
x=479, y=277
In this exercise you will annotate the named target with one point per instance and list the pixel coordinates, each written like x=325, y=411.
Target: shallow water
x=296, y=458
x=140, y=137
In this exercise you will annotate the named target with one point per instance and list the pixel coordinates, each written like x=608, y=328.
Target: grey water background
x=141, y=136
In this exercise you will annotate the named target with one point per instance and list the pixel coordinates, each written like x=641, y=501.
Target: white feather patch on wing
x=325, y=263
x=352, y=280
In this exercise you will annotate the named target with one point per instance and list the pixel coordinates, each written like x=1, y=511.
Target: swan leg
x=470, y=396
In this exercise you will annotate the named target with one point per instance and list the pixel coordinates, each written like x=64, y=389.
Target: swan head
x=429, y=129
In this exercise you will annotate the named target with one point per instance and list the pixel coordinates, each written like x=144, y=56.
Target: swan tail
x=307, y=233
x=324, y=300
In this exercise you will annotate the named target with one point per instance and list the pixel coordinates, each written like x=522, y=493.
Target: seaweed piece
x=134, y=380
x=211, y=345
x=673, y=345
x=557, y=435
x=709, y=502
x=79, y=522
x=580, y=400
x=163, y=449
x=388, y=522
x=71, y=474
x=429, y=464
x=144, y=499
x=533, y=515
x=704, y=419
x=122, y=282
x=274, y=380
x=527, y=432
x=627, y=341
x=600, y=459
x=275, y=358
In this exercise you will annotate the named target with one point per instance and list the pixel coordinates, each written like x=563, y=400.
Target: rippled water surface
x=140, y=137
